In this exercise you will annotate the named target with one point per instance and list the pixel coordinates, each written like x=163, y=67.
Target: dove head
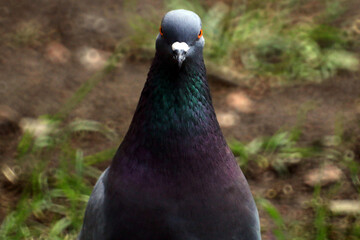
x=180, y=37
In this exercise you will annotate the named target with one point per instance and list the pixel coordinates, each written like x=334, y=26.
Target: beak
x=179, y=52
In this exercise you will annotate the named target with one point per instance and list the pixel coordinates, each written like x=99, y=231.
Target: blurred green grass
x=265, y=38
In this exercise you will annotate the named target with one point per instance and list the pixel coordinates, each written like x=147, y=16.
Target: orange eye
x=200, y=33
x=161, y=32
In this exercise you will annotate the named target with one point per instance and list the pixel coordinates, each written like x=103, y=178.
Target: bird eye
x=161, y=32
x=200, y=34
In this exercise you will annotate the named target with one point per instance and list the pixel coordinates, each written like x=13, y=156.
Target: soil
x=32, y=85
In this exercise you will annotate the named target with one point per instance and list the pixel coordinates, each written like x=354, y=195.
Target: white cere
x=180, y=46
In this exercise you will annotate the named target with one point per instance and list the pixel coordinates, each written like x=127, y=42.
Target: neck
x=175, y=120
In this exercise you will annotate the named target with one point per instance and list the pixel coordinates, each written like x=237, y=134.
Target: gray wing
x=94, y=220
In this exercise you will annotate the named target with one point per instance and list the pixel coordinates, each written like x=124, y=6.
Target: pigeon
x=173, y=176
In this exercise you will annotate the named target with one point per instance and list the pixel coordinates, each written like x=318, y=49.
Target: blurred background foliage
x=51, y=172
x=268, y=38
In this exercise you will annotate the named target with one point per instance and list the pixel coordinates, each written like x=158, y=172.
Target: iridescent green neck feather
x=175, y=118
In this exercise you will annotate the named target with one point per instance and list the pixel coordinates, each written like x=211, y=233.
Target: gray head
x=180, y=36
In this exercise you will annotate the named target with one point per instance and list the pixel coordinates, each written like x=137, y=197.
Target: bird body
x=173, y=176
